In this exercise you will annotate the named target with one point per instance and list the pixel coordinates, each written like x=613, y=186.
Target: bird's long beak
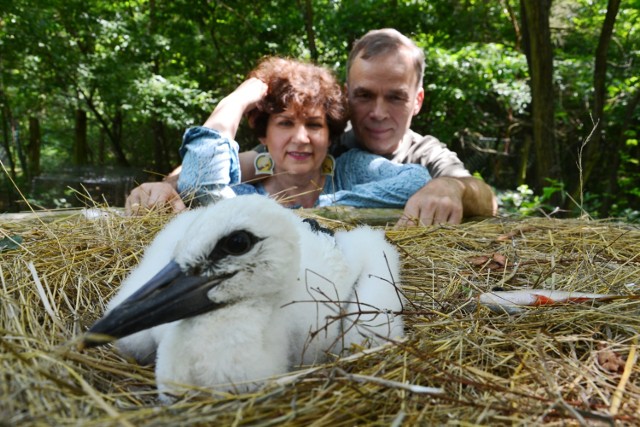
x=169, y=296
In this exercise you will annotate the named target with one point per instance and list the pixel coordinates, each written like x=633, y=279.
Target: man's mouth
x=378, y=132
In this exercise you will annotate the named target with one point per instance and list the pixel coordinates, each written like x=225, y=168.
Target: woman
x=295, y=109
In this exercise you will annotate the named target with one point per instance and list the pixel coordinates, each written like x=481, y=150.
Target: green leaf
x=10, y=243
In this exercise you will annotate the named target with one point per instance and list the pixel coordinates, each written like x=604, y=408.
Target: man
x=384, y=88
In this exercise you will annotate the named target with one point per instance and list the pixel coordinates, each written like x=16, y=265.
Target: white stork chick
x=244, y=289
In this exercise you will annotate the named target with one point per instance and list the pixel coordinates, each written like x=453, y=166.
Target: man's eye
x=398, y=99
x=362, y=96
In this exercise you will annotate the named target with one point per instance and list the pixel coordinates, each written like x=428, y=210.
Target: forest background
x=538, y=97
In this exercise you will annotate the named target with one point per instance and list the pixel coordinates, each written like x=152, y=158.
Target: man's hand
x=438, y=202
x=447, y=200
x=153, y=195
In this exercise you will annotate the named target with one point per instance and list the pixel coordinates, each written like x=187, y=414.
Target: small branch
x=616, y=400
x=414, y=388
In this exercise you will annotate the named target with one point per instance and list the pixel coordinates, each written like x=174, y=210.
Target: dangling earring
x=328, y=165
x=263, y=164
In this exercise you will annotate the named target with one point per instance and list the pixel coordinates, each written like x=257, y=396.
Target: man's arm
x=451, y=194
x=153, y=195
x=150, y=195
x=247, y=168
x=448, y=200
x=363, y=179
x=225, y=119
x=431, y=153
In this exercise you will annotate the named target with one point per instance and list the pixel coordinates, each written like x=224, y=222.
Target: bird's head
x=239, y=249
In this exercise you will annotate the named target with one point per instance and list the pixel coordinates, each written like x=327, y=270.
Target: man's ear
x=418, y=101
x=346, y=89
x=263, y=141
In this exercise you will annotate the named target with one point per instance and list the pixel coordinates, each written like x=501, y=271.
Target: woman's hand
x=250, y=92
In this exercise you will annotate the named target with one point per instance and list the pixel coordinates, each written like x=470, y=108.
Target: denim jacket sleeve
x=366, y=180
x=210, y=164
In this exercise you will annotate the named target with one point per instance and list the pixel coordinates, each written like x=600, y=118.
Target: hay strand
x=460, y=363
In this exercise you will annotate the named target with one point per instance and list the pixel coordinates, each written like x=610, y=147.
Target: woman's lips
x=299, y=155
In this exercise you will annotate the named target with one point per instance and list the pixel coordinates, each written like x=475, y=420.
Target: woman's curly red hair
x=298, y=86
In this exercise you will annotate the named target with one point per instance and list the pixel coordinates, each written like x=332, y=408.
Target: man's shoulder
x=414, y=147
x=417, y=139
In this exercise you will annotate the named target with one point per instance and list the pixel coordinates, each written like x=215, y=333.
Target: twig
x=580, y=169
x=414, y=388
x=616, y=400
x=43, y=295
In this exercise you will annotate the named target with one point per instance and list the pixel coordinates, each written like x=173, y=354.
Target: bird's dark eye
x=237, y=243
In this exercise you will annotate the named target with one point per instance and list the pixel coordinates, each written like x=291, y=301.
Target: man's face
x=383, y=98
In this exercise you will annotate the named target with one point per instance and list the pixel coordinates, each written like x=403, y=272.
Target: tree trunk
x=33, y=150
x=101, y=147
x=7, y=120
x=308, y=25
x=81, y=148
x=595, y=148
x=116, y=139
x=524, y=159
x=159, y=146
x=17, y=142
x=540, y=59
x=514, y=22
x=618, y=140
x=113, y=130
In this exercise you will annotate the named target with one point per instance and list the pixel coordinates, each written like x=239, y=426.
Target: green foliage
x=144, y=70
x=475, y=87
x=52, y=199
x=523, y=202
x=174, y=101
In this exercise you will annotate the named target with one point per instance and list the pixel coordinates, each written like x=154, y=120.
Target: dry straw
x=572, y=364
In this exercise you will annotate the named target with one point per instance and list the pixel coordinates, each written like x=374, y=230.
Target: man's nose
x=379, y=110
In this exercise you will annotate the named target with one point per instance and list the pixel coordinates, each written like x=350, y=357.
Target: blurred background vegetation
x=538, y=97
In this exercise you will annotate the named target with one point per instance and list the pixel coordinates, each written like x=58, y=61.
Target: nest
x=571, y=364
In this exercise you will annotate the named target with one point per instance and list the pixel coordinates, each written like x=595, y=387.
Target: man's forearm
x=478, y=198
x=172, y=178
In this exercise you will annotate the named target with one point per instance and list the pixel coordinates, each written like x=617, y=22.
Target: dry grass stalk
x=545, y=366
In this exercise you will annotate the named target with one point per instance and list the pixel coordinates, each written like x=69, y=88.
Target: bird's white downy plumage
x=291, y=299
x=143, y=345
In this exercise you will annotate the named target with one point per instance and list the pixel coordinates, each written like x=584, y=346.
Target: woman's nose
x=301, y=134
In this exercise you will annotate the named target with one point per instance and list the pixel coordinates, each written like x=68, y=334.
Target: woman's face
x=297, y=143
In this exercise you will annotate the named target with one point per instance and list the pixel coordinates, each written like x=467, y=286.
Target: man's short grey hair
x=382, y=42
